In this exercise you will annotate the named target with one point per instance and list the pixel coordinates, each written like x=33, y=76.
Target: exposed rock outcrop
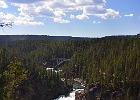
x=40, y=90
x=94, y=93
x=90, y=94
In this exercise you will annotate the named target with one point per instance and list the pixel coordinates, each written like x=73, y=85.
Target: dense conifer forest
x=113, y=63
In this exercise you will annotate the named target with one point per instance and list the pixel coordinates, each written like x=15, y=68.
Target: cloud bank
x=58, y=9
x=19, y=20
x=3, y=4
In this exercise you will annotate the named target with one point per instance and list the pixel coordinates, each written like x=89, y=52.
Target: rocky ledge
x=88, y=94
x=94, y=93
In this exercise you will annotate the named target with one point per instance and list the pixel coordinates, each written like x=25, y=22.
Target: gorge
x=109, y=66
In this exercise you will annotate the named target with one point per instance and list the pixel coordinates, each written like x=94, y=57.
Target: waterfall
x=71, y=95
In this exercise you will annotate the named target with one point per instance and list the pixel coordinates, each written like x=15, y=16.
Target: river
x=76, y=87
x=71, y=95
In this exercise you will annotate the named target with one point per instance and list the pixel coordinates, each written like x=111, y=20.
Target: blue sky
x=77, y=18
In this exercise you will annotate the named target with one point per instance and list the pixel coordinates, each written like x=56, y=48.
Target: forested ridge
x=7, y=38
x=113, y=63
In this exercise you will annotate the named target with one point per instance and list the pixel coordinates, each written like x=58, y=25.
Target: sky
x=77, y=18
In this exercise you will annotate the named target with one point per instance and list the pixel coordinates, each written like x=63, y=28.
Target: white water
x=53, y=70
x=49, y=68
x=71, y=96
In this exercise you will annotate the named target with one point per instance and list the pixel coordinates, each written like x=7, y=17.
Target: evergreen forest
x=113, y=63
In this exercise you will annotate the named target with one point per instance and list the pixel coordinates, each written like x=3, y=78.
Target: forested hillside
x=23, y=70
x=113, y=63
x=7, y=38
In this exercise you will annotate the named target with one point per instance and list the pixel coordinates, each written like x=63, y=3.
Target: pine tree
x=14, y=77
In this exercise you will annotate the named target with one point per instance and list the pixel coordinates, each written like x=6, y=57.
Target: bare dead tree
x=2, y=25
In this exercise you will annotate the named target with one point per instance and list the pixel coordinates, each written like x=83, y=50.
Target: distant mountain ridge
x=7, y=38
x=122, y=36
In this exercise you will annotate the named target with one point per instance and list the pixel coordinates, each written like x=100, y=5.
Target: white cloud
x=3, y=4
x=72, y=16
x=44, y=11
x=130, y=15
x=90, y=2
x=60, y=20
x=82, y=17
x=94, y=22
x=98, y=22
x=59, y=14
x=101, y=12
x=24, y=1
x=57, y=9
x=41, y=10
x=19, y=20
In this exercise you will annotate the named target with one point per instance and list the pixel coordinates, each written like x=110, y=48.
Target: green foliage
x=113, y=62
x=14, y=76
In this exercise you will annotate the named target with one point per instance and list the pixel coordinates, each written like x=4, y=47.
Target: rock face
x=90, y=94
x=94, y=93
x=40, y=90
